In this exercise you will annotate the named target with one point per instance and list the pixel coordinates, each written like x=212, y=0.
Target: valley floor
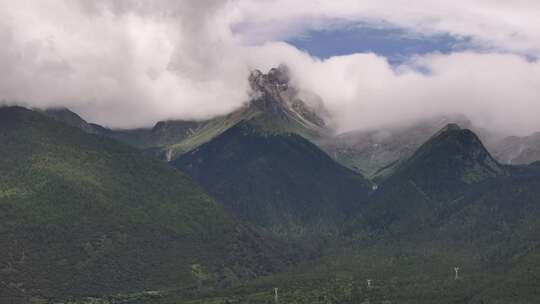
x=394, y=277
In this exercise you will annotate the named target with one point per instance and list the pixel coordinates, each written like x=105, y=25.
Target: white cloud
x=509, y=25
x=118, y=64
x=131, y=63
x=496, y=91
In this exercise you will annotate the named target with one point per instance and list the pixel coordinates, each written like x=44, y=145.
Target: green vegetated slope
x=452, y=199
x=209, y=131
x=70, y=118
x=83, y=215
x=164, y=133
x=433, y=180
x=274, y=106
x=449, y=205
x=277, y=181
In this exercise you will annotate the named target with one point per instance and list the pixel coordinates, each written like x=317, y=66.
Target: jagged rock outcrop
x=273, y=94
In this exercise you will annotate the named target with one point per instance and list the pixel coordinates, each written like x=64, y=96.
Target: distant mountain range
x=368, y=152
x=226, y=210
x=517, y=150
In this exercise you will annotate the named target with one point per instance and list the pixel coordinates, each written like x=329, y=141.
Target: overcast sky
x=374, y=62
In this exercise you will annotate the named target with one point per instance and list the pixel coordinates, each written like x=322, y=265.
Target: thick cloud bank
x=130, y=63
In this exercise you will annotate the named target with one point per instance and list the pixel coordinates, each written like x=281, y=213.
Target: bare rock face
x=277, y=79
x=272, y=93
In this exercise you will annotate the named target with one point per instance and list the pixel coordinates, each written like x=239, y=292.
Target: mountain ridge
x=442, y=171
x=450, y=203
x=279, y=182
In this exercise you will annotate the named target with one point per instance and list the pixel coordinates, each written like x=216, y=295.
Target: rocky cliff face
x=273, y=94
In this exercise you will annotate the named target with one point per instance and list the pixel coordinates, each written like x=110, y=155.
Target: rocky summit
x=272, y=94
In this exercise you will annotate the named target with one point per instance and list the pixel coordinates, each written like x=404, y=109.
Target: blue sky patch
x=393, y=43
